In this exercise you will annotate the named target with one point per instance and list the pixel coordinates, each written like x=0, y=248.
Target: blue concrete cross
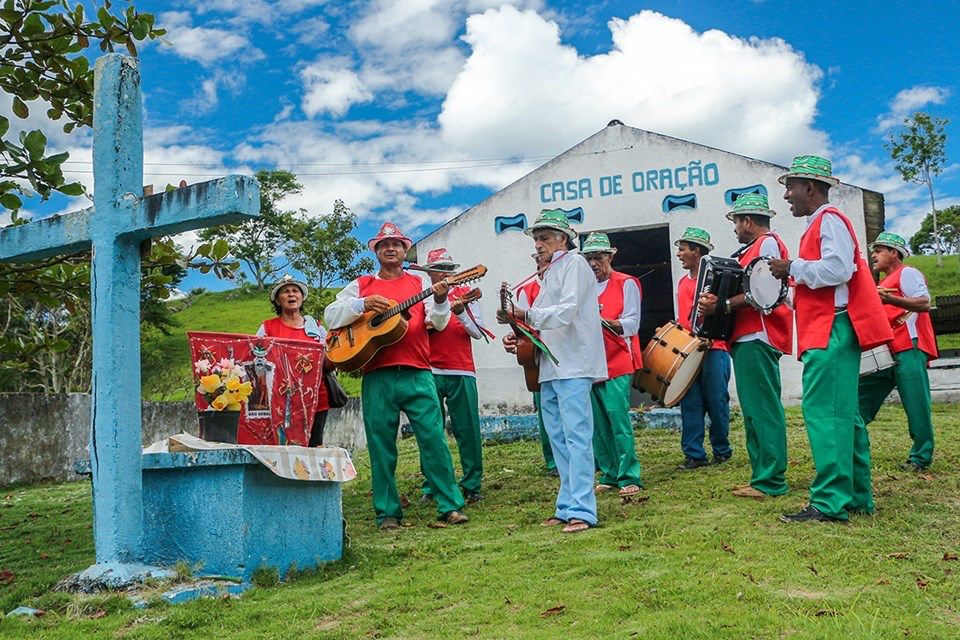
x=114, y=228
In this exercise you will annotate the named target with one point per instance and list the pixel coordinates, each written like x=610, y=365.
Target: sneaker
x=426, y=498
x=472, y=497
x=808, y=514
x=553, y=473
x=455, y=517
x=406, y=431
x=912, y=466
x=389, y=524
x=692, y=463
x=721, y=459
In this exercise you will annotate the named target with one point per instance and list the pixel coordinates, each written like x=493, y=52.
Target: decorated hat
x=893, y=241
x=389, y=230
x=440, y=259
x=553, y=219
x=696, y=236
x=284, y=281
x=597, y=242
x=811, y=168
x=753, y=204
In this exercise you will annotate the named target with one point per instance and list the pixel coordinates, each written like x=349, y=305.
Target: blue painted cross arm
x=225, y=200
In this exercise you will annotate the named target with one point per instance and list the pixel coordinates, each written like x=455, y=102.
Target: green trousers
x=459, y=395
x=384, y=394
x=838, y=437
x=613, y=444
x=544, y=439
x=757, y=366
x=913, y=384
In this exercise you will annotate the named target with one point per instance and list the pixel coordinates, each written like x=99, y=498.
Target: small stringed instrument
x=526, y=350
x=351, y=347
x=467, y=297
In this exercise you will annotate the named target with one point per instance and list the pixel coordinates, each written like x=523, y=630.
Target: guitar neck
x=406, y=304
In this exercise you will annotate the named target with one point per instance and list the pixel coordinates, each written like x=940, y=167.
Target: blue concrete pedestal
x=228, y=513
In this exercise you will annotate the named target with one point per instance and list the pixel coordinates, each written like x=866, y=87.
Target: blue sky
x=415, y=110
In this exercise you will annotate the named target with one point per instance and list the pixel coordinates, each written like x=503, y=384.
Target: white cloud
x=254, y=11
x=331, y=87
x=523, y=92
x=908, y=101
x=204, y=44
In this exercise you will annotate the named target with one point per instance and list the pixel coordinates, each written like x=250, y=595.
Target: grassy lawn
x=943, y=281
x=687, y=560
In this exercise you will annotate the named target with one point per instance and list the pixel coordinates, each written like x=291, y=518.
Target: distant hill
x=166, y=367
x=943, y=281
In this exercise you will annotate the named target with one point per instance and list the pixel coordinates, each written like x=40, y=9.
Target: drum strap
x=742, y=250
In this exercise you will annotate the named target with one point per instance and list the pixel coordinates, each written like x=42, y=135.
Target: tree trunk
x=936, y=229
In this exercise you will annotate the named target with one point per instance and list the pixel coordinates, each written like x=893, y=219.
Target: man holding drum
x=619, y=297
x=906, y=302
x=708, y=394
x=838, y=315
x=759, y=339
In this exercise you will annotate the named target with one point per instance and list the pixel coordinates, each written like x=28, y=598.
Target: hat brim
x=304, y=289
x=904, y=250
x=808, y=176
x=442, y=266
x=373, y=242
x=588, y=250
x=570, y=232
x=706, y=245
x=752, y=212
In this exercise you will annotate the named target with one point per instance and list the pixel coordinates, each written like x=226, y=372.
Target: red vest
x=815, y=307
x=779, y=323
x=531, y=290
x=275, y=328
x=926, y=341
x=413, y=350
x=686, y=290
x=620, y=359
x=452, y=349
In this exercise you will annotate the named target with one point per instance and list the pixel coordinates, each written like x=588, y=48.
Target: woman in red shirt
x=287, y=297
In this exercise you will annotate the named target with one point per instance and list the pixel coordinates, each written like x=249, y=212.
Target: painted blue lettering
x=652, y=177
x=637, y=180
x=706, y=174
x=544, y=188
x=666, y=179
x=618, y=184
x=694, y=173
x=586, y=189
x=681, y=183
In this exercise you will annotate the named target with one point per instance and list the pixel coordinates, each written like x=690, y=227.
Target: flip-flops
x=576, y=526
x=629, y=490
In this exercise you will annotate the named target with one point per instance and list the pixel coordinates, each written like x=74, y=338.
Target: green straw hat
x=598, y=242
x=753, y=204
x=696, y=236
x=893, y=241
x=811, y=168
x=553, y=219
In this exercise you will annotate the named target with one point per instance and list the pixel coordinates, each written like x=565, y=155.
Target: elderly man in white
x=568, y=318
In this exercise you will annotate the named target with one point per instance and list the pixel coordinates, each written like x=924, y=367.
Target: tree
x=259, y=242
x=919, y=153
x=325, y=252
x=949, y=231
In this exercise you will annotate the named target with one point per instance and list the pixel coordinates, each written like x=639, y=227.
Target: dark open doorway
x=646, y=254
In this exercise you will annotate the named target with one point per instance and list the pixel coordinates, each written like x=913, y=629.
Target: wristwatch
x=726, y=304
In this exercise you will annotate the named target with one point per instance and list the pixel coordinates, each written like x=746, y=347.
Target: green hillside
x=166, y=359
x=943, y=281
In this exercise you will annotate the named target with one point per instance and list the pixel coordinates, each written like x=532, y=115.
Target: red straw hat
x=389, y=230
x=440, y=258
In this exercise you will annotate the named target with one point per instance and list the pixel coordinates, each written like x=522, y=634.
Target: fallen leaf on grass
x=44, y=556
x=882, y=581
x=950, y=556
x=926, y=476
x=814, y=570
x=33, y=514
x=7, y=576
x=553, y=611
x=899, y=555
x=437, y=525
x=404, y=502
x=99, y=613
x=922, y=583
x=623, y=547
x=727, y=547
x=639, y=499
x=824, y=612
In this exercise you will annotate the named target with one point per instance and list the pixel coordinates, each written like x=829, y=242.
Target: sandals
x=602, y=488
x=576, y=526
x=629, y=490
x=552, y=522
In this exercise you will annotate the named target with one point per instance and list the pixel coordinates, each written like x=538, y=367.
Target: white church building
x=643, y=189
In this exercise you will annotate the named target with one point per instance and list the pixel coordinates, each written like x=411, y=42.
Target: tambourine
x=762, y=290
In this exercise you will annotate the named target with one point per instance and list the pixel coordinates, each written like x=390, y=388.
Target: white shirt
x=630, y=317
x=768, y=249
x=835, y=266
x=310, y=327
x=568, y=318
x=473, y=330
x=913, y=285
x=348, y=306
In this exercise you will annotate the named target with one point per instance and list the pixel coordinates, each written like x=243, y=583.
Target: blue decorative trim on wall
x=672, y=203
x=574, y=215
x=503, y=223
x=732, y=194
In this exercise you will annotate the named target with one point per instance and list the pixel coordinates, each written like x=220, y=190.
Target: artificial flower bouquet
x=222, y=383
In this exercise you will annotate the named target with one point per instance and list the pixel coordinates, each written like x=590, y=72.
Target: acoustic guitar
x=351, y=347
x=526, y=350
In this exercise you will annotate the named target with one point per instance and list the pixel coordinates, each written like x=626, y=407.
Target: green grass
x=942, y=281
x=166, y=367
x=689, y=561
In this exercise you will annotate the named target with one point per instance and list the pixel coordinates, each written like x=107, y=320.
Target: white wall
x=616, y=150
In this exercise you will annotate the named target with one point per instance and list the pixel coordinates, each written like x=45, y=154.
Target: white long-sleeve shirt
x=348, y=306
x=568, y=318
x=913, y=285
x=835, y=266
x=630, y=317
x=768, y=249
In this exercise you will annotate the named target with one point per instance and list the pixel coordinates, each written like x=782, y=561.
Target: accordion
x=723, y=277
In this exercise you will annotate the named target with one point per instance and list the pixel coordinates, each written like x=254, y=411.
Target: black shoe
x=692, y=463
x=406, y=431
x=808, y=514
x=553, y=472
x=455, y=517
x=426, y=498
x=912, y=466
x=721, y=459
x=472, y=496
x=389, y=524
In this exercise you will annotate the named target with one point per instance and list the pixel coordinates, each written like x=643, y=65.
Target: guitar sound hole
x=376, y=321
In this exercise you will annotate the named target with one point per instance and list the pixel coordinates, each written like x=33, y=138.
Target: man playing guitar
x=398, y=378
